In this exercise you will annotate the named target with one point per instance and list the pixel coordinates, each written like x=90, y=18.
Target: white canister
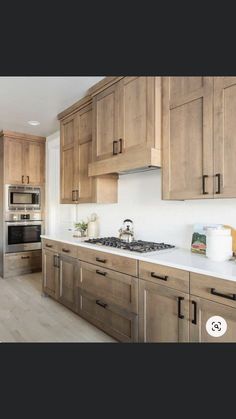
x=93, y=227
x=219, y=244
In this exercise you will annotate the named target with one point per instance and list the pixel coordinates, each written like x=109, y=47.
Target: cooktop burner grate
x=135, y=246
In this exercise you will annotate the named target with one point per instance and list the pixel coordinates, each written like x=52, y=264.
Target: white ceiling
x=38, y=98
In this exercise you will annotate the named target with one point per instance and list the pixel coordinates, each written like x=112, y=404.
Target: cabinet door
x=187, y=137
x=68, y=273
x=137, y=113
x=50, y=273
x=68, y=171
x=83, y=150
x=105, y=122
x=224, y=137
x=204, y=309
x=163, y=314
x=34, y=167
x=14, y=161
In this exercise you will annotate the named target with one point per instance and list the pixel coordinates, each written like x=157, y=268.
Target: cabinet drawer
x=121, y=325
x=164, y=275
x=116, y=288
x=50, y=245
x=214, y=289
x=108, y=260
x=22, y=263
x=68, y=249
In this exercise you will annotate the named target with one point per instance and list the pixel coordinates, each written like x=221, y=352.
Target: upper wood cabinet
x=126, y=125
x=76, y=154
x=24, y=159
x=224, y=137
x=199, y=137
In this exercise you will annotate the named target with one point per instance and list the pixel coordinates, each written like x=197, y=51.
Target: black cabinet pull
x=180, y=316
x=25, y=257
x=219, y=294
x=194, y=321
x=100, y=303
x=204, y=177
x=65, y=250
x=27, y=179
x=163, y=278
x=115, y=152
x=218, y=183
x=55, y=261
x=73, y=195
x=22, y=179
x=100, y=272
x=77, y=194
x=121, y=145
x=49, y=245
x=100, y=260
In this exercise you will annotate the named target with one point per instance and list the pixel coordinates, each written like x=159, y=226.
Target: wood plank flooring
x=27, y=316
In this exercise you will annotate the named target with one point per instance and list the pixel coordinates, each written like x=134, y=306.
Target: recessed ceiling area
x=24, y=99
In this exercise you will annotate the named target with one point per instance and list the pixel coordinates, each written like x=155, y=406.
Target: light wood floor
x=27, y=316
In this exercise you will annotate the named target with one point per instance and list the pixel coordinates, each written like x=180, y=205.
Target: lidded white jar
x=219, y=244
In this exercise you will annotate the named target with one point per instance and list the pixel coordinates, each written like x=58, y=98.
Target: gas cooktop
x=135, y=246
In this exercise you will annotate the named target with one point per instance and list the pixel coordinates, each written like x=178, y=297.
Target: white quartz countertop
x=176, y=258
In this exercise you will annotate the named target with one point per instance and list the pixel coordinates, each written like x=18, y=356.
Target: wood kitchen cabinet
x=201, y=310
x=199, y=140
x=163, y=313
x=76, y=154
x=126, y=125
x=224, y=137
x=24, y=159
x=50, y=273
x=68, y=272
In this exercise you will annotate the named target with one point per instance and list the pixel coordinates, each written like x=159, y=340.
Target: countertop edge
x=146, y=258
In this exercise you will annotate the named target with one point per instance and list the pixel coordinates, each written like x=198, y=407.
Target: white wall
x=139, y=198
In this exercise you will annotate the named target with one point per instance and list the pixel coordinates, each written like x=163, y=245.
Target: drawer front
x=21, y=263
x=50, y=245
x=122, y=326
x=214, y=289
x=68, y=249
x=116, y=288
x=164, y=275
x=107, y=260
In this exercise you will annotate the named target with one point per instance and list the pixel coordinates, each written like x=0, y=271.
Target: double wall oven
x=23, y=218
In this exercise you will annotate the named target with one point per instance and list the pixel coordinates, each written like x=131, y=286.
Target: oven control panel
x=27, y=216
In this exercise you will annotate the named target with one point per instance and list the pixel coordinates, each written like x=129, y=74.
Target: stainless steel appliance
x=26, y=198
x=23, y=231
x=135, y=246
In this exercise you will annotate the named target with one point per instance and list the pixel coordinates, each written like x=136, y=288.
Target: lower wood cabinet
x=69, y=269
x=163, y=313
x=50, y=273
x=201, y=310
x=119, y=323
x=21, y=263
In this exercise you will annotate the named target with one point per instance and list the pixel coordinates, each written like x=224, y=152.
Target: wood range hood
x=127, y=125
x=141, y=160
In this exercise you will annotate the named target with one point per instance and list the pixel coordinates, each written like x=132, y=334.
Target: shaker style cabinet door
x=224, y=137
x=163, y=314
x=34, y=162
x=50, y=273
x=137, y=121
x=187, y=137
x=68, y=272
x=200, y=311
x=14, y=163
x=105, y=123
x=83, y=151
x=68, y=172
